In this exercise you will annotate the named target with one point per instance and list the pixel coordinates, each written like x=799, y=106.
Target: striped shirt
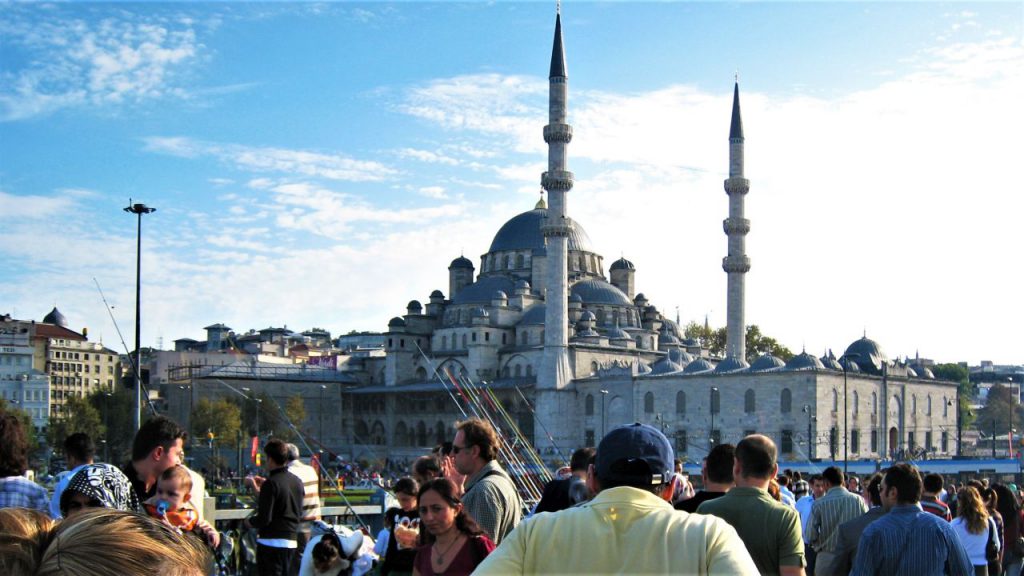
x=311, y=492
x=936, y=506
x=909, y=540
x=838, y=505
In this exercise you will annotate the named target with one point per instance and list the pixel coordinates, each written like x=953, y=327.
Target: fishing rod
x=131, y=359
x=536, y=418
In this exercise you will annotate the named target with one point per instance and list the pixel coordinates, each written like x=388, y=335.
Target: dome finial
x=541, y=205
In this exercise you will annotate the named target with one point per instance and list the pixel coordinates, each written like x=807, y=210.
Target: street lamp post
x=191, y=411
x=959, y=426
x=604, y=398
x=106, y=426
x=846, y=426
x=258, y=402
x=138, y=209
x=711, y=408
x=323, y=387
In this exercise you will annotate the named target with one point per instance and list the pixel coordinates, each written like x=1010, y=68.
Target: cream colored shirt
x=621, y=531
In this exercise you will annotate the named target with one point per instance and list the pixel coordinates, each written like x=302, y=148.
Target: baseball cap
x=635, y=453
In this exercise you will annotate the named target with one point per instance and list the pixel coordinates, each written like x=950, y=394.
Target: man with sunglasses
x=490, y=495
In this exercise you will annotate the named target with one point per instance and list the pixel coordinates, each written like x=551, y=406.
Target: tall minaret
x=736, y=264
x=555, y=373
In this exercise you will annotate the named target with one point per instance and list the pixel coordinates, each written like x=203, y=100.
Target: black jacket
x=280, y=506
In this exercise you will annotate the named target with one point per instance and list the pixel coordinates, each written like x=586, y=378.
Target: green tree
x=78, y=415
x=758, y=344
x=1000, y=413
x=26, y=423
x=295, y=411
x=965, y=390
x=221, y=417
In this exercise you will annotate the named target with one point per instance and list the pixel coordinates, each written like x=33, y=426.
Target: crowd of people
x=624, y=507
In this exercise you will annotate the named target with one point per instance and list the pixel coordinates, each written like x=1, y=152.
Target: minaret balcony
x=737, y=185
x=736, y=264
x=562, y=227
x=739, y=226
x=558, y=133
x=557, y=181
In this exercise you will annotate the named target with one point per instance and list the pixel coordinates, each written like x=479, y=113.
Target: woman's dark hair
x=13, y=446
x=327, y=549
x=406, y=486
x=1007, y=505
x=464, y=523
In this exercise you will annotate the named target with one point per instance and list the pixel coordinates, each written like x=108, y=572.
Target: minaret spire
x=555, y=373
x=736, y=263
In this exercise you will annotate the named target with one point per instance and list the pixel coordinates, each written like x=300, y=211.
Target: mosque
x=572, y=350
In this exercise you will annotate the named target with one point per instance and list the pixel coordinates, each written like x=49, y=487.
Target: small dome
x=804, y=361
x=521, y=284
x=867, y=354
x=587, y=316
x=622, y=264
x=437, y=294
x=396, y=322
x=461, y=262
x=480, y=313
x=767, y=363
x=830, y=363
x=535, y=315
x=575, y=299
x=617, y=333
x=731, y=364
x=499, y=295
x=665, y=336
x=586, y=332
x=480, y=292
x=681, y=357
x=690, y=343
x=665, y=366
x=698, y=366
x=55, y=317
x=642, y=368
x=414, y=305
x=849, y=364
x=640, y=298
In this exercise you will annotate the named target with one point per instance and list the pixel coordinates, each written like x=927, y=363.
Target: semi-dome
x=461, y=262
x=867, y=354
x=587, y=315
x=522, y=285
x=804, y=361
x=616, y=333
x=622, y=264
x=437, y=294
x=595, y=291
x=575, y=299
x=480, y=292
x=396, y=322
x=414, y=305
x=55, y=317
x=534, y=316
x=499, y=295
x=681, y=357
x=522, y=232
x=767, y=363
x=698, y=366
x=731, y=364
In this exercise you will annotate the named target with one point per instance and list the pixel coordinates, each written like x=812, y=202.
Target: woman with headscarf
x=99, y=486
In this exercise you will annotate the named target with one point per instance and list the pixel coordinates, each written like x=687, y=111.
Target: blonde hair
x=971, y=508
x=179, y=473
x=96, y=542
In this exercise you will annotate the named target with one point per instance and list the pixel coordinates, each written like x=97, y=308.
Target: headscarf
x=103, y=483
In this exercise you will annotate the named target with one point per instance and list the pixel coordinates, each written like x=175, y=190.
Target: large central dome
x=522, y=232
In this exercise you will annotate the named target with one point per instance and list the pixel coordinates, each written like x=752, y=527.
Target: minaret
x=555, y=373
x=736, y=264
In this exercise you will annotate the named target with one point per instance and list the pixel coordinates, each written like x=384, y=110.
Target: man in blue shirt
x=908, y=540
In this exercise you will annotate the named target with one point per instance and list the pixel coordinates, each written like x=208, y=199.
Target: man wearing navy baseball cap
x=629, y=527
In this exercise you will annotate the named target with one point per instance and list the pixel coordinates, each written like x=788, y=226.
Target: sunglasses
x=457, y=449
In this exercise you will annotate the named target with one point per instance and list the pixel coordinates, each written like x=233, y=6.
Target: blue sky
x=321, y=164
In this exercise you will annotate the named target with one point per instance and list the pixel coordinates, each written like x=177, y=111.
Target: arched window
x=529, y=370
x=913, y=404
x=835, y=400
x=504, y=371
x=520, y=261
x=518, y=371
x=856, y=403
x=929, y=405
x=421, y=433
x=464, y=342
x=600, y=316
x=593, y=367
x=680, y=402
x=444, y=342
x=716, y=401
x=874, y=403
x=589, y=405
x=508, y=262
x=649, y=403
x=524, y=338
x=421, y=373
x=362, y=430
x=945, y=407
x=440, y=433
x=786, y=402
x=749, y=401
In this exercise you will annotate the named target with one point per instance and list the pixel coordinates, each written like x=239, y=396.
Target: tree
x=295, y=411
x=965, y=390
x=714, y=339
x=1000, y=412
x=221, y=417
x=79, y=415
x=26, y=423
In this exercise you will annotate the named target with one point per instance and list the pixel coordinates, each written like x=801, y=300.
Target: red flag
x=255, y=447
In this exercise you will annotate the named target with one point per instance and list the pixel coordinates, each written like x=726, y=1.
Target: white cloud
x=427, y=156
x=72, y=62
x=33, y=207
x=437, y=192
x=270, y=159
